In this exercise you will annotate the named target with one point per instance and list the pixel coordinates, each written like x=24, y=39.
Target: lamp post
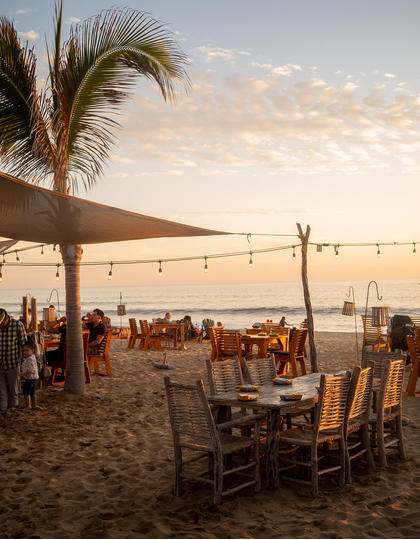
x=349, y=309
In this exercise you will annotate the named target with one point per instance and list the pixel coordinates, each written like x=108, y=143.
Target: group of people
x=17, y=354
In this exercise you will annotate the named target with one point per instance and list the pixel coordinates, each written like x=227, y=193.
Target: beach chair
x=134, y=335
x=151, y=340
x=386, y=421
x=327, y=428
x=225, y=344
x=295, y=354
x=101, y=356
x=413, y=343
x=372, y=336
x=194, y=430
x=357, y=418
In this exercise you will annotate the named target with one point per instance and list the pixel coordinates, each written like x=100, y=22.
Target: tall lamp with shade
x=349, y=309
x=380, y=314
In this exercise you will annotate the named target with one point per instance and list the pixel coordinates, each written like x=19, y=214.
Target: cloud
x=31, y=34
x=121, y=159
x=71, y=20
x=389, y=75
x=22, y=11
x=213, y=53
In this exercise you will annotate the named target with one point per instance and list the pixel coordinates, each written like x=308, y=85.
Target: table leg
x=175, y=333
x=182, y=330
x=272, y=456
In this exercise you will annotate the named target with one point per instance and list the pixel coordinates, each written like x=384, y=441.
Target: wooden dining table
x=270, y=401
x=262, y=342
x=157, y=327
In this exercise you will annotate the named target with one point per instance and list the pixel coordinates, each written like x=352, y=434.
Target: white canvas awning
x=35, y=214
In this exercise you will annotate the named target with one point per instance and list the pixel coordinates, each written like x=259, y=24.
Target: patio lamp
x=380, y=314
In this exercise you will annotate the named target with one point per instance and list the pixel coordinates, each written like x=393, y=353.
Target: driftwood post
x=304, y=238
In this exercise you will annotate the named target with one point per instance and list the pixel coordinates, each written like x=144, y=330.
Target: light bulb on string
x=294, y=253
x=110, y=271
x=414, y=249
x=57, y=275
x=42, y=251
x=1, y=272
x=206, y=267
x=378, y=253
x=251, y=262
x=54, y=249
x=336, y=251
x=17, y=257
x=4, y=259
x=160, y=269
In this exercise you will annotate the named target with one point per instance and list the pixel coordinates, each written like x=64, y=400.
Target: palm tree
x=64, y=132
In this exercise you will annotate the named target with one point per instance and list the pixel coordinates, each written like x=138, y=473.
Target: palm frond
x=102, y=58
x=25, y=146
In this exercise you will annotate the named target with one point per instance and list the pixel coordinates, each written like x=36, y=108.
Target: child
x=29, y=372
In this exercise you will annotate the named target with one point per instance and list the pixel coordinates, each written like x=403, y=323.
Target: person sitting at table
x=191, y=330
x=96, y=330
x=56, y=355
x=166, y=319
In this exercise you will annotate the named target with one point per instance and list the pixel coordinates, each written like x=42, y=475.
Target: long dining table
x=270, y=401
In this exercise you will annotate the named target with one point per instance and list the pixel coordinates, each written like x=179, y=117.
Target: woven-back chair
x=379, y=360
x=372, y=336
x=413, y=343
x=295, y=354
x=194, y=429
x=205, y=329
x=224, y=376
x=259, y=370
x=225, y=344
x=329, y=425
x=357, y=418
x=134, y=335
x=150, y=340
x=386, y=421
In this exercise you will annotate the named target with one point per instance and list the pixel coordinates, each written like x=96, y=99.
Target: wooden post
x=25, y=313
x=304, y=238
x=34, y=315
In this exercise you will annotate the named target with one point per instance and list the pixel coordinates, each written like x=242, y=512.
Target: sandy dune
x=101, y=466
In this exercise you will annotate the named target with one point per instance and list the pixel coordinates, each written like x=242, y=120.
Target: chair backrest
x=103, y=346
x=413, y=345
x=390, y=394
x=144, y=327
x=224, y=376
x=133, y=327
x=275, y=329
x=332, y=404
x=227, y=342
x=371, y=334
x=260, y=370
x=360, y=394
x=297, y=344
x=379, y=360
x=206, y=325
x=85, y=338
x=416, y=322
x=189, y=413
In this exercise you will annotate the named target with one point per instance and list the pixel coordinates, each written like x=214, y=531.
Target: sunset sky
x=298, y=111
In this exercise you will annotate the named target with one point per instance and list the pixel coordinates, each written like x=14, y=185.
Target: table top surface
x=166, y=325
x=269, y=395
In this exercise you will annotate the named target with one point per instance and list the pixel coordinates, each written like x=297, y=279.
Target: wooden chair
x=328, y=427
x=61, y=365
x=150, y=340
x=372, y=336
x=280, y=331
x=379, y=361
x=295, y=354
x=259, y=370
x=101, y=356
x=416, y=322
x=194, y=429
x=134, y=335
x=357, y=418
x=85, y=338
x=386, y=421
x=225, y=344
x=414, y=350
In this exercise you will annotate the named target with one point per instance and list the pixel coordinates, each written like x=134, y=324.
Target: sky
x=298, y=111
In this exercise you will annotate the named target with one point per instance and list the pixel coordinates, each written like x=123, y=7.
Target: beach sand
x=101, y=465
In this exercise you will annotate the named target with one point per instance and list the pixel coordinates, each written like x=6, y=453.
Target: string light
x=57, y=275
x=160, y=269
x=1, y=273
x=414, y=248
x=294, y=253
x=251, y=262
x=54, y=247
x=206, y=268
x=17, y=257
x=336, y=251
x=42, y=251
x=378, y=253
x=110, y=272
x=4, y=259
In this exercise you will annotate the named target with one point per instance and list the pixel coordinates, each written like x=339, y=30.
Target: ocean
x=235, y=305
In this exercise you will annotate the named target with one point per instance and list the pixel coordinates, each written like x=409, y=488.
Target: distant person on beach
x=12, y=339
x=29, y=374
x=96, y=330
x=283, y=322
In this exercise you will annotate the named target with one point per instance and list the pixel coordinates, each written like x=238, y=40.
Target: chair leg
x=218, y=478
x=381, y=445
x=399, y=431
x=108, y=365
x=342, y=472
x=302, y=366
x=314, y=470
x=178, y=472
x=366, y=445
x=292, y=361
x=257, y=467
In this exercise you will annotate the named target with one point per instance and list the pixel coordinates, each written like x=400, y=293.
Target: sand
x=102, y=466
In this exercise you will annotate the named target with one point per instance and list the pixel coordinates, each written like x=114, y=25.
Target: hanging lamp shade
x=121, y=310
x=380, y=316
x=348, y=309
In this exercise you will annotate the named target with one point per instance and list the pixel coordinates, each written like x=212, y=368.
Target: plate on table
x=249, y=387
x=291, y=397
x=261, y=334
x=282, y=380
x=340, y=373
x=247, y=397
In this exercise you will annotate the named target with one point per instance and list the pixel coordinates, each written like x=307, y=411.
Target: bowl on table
x=291, y=397
x=249, y=387
x=282, y=380
x=247, y=397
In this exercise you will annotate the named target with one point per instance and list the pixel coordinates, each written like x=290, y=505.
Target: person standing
x=29, y=374
x=12, y=339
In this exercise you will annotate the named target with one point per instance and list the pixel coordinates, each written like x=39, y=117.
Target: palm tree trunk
x=75, y=378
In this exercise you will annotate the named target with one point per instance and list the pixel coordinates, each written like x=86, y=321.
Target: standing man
x=96, y=330
x=12, y=339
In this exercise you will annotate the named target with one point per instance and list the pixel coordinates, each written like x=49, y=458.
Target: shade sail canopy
x=36, y=214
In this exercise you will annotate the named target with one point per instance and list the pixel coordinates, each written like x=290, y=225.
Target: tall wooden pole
x=304, y=238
